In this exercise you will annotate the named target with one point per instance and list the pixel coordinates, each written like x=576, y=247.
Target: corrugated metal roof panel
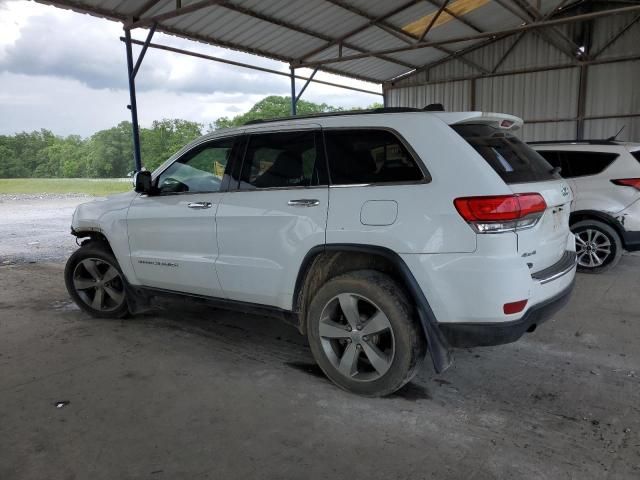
x=289, y=30
x=605, y=29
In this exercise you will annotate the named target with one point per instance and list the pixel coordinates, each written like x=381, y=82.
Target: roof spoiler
x=496, y=120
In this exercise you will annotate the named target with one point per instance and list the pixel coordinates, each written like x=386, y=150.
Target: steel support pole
x=293, y=91
x=135, y=129
x=582, y=101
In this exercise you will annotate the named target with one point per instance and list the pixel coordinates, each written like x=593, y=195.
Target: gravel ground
x=35, y=228
x=193, y=392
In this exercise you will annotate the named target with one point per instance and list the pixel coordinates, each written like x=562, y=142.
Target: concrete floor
x=191, y=392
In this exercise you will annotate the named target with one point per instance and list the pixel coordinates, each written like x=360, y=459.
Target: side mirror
x=142, y=181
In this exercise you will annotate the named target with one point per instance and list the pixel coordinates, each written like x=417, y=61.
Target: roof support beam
x=172, y=14
x=522, y=28
x=537, y=15
x=371, y=22
x=433, y=20
x=531, y=14
x=246, y=65
x=522, y=34
x=306, y=84
x=148, y=5
x=391, y=29
x=615, y=38
x=296, y=28
x=144, y=49
x=505, y=73
x=457, y=17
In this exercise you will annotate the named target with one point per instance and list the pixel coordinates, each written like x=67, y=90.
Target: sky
x=66, y=72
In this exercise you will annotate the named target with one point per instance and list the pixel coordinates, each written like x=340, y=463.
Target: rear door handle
x=304, y=202
x=199, y=205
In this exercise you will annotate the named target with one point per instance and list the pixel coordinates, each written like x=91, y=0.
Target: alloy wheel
x=593, y=248
x=356, y=337
x=99, y=284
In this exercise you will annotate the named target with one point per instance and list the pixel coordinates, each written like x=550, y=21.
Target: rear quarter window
x=579, y=163
x=636, y=155
x=369, y=156
x=510, y=157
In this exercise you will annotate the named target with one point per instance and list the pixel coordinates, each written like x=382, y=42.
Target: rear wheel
x=363, y=334
x=598, y=246
x=95, y=282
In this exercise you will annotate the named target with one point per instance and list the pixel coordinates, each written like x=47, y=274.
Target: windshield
x=510, y=157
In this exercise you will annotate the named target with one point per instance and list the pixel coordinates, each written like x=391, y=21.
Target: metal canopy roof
x=372, y=40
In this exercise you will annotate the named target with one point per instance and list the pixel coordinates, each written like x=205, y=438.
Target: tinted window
x=284, y=159
x=636, y=154
x=511, y=158
x=369, y=156
x=580, y=164
x=200, y=170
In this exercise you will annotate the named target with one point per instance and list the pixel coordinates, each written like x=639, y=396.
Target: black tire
x=371, y=290
x=587, y=264
x=98, y=255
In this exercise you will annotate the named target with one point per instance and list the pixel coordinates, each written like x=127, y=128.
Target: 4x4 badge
x=565, y=191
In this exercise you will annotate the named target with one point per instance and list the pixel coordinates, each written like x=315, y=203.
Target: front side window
x=369, y=156
x=200, y=170
x=282, y=160
x=512, y=159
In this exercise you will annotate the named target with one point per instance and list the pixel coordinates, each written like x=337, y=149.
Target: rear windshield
x=511, y=158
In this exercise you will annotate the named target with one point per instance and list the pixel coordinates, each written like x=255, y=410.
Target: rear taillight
x=628, y=182
x=501, y=213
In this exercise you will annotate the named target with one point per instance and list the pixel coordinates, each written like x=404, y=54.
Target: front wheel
x=95, y=282
x=363, y=333
x=598, y=246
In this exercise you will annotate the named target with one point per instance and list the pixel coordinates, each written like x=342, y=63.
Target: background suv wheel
x=363, y=334
x=598, y=246
x=95, y=282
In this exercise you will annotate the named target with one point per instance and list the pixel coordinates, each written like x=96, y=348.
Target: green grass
x=89, y=186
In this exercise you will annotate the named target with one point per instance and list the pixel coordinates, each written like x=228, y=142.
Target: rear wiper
x=555, y=170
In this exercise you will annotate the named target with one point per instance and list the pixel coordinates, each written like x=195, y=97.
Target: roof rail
x=577, y=142
x=336, y=114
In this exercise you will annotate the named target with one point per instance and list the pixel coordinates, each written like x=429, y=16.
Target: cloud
x=90, y=51
x=67, y=72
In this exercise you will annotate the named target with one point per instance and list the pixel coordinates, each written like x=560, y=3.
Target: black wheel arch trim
x=604, y=218
x=438, y=347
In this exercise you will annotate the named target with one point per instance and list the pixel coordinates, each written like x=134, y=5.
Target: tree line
x=109, y=153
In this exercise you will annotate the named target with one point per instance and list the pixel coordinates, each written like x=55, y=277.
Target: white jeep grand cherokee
x=380, y=235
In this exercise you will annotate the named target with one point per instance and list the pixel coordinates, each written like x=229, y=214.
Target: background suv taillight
x=628, y=182
x=501, y=213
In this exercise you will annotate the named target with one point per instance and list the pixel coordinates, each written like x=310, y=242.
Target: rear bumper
x=463, y=335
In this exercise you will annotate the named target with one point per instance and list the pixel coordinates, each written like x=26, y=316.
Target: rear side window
x=580, y=164
x=636, y=154
x=369, y=156
x=511, y=158
x=283, y=160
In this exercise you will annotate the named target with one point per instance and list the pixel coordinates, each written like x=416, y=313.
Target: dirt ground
x=192, y=392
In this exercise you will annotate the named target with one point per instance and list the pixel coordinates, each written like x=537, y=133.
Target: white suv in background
x=605, y=178
x=380, y=235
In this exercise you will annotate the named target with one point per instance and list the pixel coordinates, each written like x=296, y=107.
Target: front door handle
x=199, y=205
x=304, y=202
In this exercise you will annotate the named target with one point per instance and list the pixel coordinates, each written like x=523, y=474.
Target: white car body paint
x=597, y=192
x=250, y=245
